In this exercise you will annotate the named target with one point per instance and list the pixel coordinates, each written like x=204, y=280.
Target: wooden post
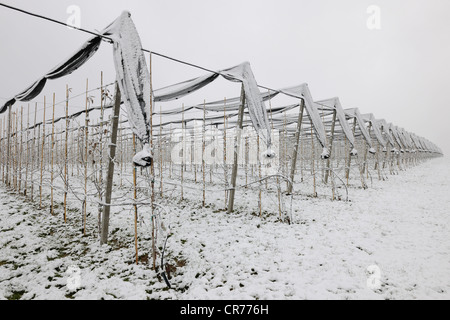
x=1, y=148
x=6, y=165
x=8, y=145
x=86, y=143
x=27, y=155
x=73, y=154
x=52, y=147
x=13, y=149
x=122, y=158
x=333, y=125
x=5, y=137
x=66, y=160
x=2, y=133
x=110, y=176
x=297, y=140
x=14, y=160
x=377, y=164
x=11, y=158
x=135, y=206
x=282, y=164
x=183, y=143
x=246, y=158
x=236, y=151
x=313, y=160
x=16, y=150
x=366, y=165
x=20, y=149
x=203, y=153
x=225, y=165
x=42, y=156
x=301, y=159
x=169, y=153
x=285, y=160
x=259, y=175
x=160, y=153
x=349, y=159
x=386, y=155
x=3, y=145
x=33, y=152
x=152, y=171
x=100, y=172
x=214, y=143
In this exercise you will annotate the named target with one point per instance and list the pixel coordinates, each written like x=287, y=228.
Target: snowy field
x=401, y=226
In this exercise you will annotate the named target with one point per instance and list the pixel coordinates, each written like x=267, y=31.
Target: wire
x=54, y=21
x=110, y=40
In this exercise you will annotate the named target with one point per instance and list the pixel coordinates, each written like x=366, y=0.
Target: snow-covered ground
x=400, y=228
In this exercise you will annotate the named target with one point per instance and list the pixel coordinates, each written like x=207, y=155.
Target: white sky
x=399, y=73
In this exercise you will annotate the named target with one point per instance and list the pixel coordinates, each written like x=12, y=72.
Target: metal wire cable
x=110, y=41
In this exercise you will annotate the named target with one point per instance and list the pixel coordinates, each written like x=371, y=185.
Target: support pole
x=135, y=206
x=333, y=126
x=313, y=155
x=86, y=145
x=20, y=145
x=52, y=157
x=8, y=146
x=225, y=164
x=100, y=171
x=297, y=142
x=33, y=154
x=42, y=156
x=377, y=164
x=152, y=170
x=14, y=160
x=66, y=160
x=160, y=154
x=203, y=154
x=259, y=176
x=349, y=160
x=183, y=143
x=110, y=176
x=27, y=155
x=1, y=147
x=236, y=151
x=366, y=165
x=16, y=154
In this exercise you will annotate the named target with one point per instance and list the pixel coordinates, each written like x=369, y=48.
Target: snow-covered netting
x=354, y=113
x=336, y=104
x=65, y=68
x=255, y=103
x=302, y=92
x=241, y=73
x=370, y=118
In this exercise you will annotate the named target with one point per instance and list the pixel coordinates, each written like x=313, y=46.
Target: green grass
x=16, y=295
